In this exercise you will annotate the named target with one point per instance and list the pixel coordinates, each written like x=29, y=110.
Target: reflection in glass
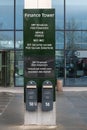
x=19, y=79
x=6, y=40
x=19, y=40
x=59, y=40
x=19, y=14
x=59, y=11
x=6, y=14
x=76, y=67
x=76, y=16
x=59, y=64
x=76, y=40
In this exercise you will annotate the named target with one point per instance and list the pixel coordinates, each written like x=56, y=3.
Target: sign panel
x=47, y=96
x=39, y=66
x=39, y=46
x=31, y=96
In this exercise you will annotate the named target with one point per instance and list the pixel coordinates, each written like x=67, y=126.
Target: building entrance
x=5, y=68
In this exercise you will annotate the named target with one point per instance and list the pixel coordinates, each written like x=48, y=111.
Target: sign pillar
x=39, y=66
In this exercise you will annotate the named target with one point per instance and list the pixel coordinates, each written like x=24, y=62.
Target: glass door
x=4, y=68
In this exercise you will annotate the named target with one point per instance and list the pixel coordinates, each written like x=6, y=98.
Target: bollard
x=59, y=85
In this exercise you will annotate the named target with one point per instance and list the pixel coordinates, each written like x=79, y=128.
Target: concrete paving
x=71, y=111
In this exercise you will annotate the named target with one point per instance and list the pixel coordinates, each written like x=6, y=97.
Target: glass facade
x=71, y=42
x=76, y=14
x=11, y=43
x=7, y=14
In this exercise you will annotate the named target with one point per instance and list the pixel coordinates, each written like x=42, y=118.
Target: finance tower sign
x=39, y=48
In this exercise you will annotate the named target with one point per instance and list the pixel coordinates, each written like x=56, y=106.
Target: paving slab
x=71, y=112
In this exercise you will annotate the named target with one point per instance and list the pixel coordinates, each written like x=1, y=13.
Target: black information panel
x=47, y=96
x=39, y=47
x=39, y=66
x=31, y=96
